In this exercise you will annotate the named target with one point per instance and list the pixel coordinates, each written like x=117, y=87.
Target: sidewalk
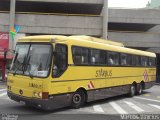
x=3, y=84
x=157, y=83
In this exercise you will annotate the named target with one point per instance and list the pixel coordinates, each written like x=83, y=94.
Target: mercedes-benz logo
x=21, y=92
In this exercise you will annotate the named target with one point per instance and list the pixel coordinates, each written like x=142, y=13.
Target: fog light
x=40, y=94
x=35, y=94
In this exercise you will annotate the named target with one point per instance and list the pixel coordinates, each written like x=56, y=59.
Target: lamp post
x=105, y=19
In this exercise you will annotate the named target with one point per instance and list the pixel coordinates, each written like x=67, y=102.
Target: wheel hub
x=76, y=98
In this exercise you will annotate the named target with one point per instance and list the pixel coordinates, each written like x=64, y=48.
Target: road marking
x=98, y=108
x=158, y=97
x=138, y=109
x=2, y=90
x=3, y=94
x=118, y=108
x=147, y=95
x=6, y=98
x=147, y=99
x=156, y=106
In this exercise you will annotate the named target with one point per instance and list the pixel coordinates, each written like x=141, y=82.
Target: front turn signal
x=45, y=95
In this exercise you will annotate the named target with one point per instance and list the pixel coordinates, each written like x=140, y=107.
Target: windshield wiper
x=25, y=66
x=30, y=75
x=21, y=65
x=17, y=67
x=14, y=63
x=15, y=58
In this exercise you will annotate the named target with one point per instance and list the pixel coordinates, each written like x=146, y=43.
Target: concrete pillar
x=105, y=19
x=12, y=22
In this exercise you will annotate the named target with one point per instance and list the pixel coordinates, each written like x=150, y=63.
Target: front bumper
x=58, y=101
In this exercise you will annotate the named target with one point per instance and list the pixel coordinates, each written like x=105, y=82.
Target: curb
x=3, y=83
x=157, y=84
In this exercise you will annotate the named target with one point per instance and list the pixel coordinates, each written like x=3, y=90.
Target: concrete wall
x=155, y=29
x=4, y=22
x=54, y=24
x=69, y=25
x=142, y=39
x=144, y=16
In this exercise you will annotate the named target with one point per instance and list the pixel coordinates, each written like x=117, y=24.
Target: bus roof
x=89, y=38
x=47, y=38
x=115, y=46
x=87, y=41
x=42, y=38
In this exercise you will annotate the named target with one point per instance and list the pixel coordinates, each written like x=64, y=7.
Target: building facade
x=135, y=28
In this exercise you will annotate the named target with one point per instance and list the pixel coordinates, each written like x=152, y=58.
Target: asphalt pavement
x=119, y=107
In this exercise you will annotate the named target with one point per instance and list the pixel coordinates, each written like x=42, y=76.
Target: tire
x=78, y=99
x=140, y=89
x=28, y=105
x=132, y=90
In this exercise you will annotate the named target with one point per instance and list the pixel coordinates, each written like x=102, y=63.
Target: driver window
x=60, y=60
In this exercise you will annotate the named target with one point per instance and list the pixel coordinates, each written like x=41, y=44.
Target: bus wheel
x=132, y=90
x=78, y=99
x=140, y=89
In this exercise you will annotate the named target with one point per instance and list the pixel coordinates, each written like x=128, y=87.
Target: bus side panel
x=100, y=82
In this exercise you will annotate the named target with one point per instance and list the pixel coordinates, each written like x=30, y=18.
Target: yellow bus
x=52, y=71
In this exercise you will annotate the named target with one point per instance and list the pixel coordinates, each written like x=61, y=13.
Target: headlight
x=40, y=94
x=37, y=94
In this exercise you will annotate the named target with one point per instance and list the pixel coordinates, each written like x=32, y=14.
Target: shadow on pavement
x=31, y=110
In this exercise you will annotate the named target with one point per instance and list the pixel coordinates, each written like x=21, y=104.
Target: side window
x=144, y=61
x=152, y=62
x=102, y=57
x=60, y=60
x=139, y=61
x=129, y=60
x=126, y=59
x=113, y=58
x=80, y=55
x=136, y=60
x=97, y=57
x=123, y=59
x=133, y=60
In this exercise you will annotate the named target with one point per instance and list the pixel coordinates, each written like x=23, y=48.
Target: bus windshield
x=32, y=60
